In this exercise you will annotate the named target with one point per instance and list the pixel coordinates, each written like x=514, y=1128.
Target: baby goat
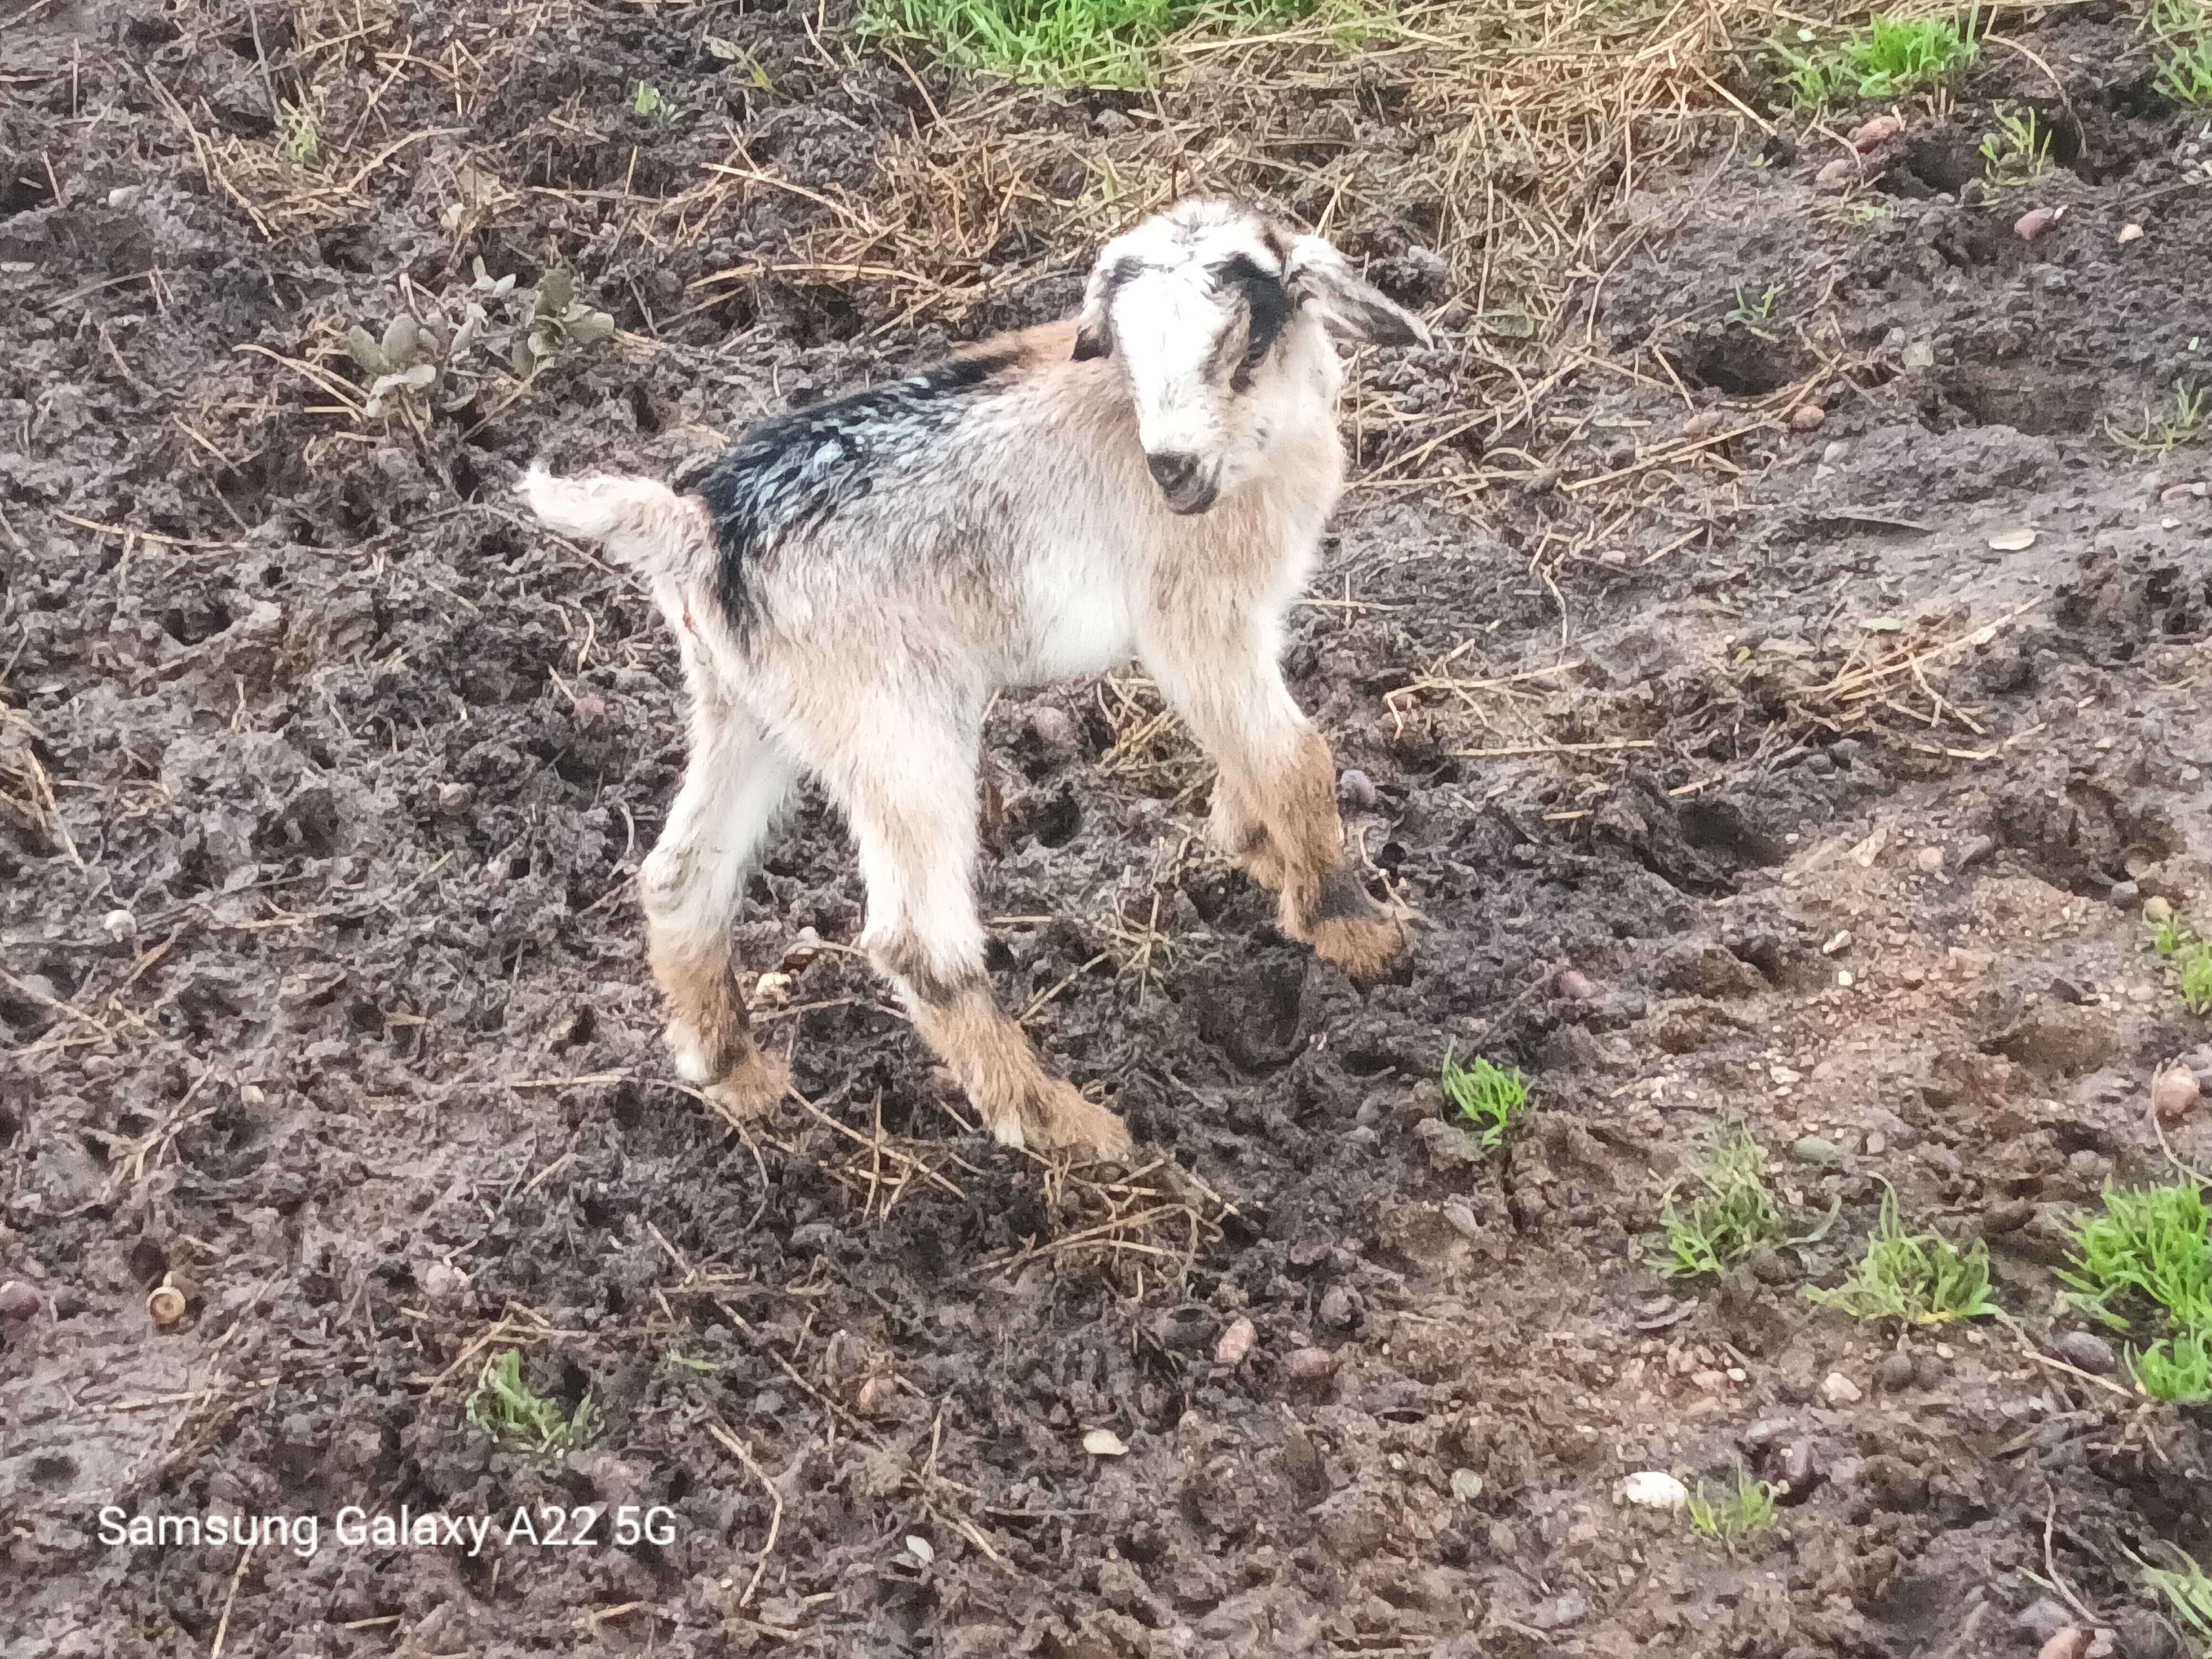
x=850, y=582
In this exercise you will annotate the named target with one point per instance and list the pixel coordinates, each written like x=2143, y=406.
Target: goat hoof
x=1365, y=947
x=751, y=1088
x=1058, y=1119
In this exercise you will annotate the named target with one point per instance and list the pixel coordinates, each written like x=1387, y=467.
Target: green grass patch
x=1492, y=1099
x=2017, y=152
x=1733, y=1213
x=2182, y=29
x=1918, y=1279
x=1889, y=58
x=1100, y=43
x=1739, y=1512
x=508, y=1409
x=2188, y=959
x=2149, y=1257
x=2186, y=1589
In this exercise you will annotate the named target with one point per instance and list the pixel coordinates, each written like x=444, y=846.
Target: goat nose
x=1172, y=469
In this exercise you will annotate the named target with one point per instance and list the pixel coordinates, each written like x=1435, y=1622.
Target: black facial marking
x=1267, y=307
x=797, y=468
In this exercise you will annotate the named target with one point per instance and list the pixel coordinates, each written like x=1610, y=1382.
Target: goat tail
x=640, y=522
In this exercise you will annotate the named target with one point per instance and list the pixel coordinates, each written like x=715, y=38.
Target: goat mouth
x=1191, y=503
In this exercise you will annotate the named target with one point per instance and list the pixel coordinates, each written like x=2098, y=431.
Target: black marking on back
x=797, y=470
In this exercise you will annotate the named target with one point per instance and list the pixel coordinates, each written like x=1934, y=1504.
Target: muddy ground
x=1736, y=772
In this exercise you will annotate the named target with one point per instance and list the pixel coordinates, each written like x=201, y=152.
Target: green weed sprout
x=505, y=1408
x=1739, y=1513
x=1918, y=1279
x=1733, y=1215
x=1490, y=1098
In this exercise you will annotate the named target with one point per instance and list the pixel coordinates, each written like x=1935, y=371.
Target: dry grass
x=1513, y=146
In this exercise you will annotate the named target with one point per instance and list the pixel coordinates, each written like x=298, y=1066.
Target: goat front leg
x=910, y=796
x=734, y=784
x=1274, y=802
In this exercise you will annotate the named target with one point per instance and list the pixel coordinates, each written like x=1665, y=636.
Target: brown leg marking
x=691, y=885
x=708, y=1030
x=1320, y=900
x=1020, y=1103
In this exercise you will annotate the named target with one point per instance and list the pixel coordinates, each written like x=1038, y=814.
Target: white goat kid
x=850, y=582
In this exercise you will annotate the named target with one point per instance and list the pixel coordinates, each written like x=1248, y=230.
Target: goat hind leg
x=735, y=783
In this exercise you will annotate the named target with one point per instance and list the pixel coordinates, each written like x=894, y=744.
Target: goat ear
x=1350, y=308
x=1094, y=324
x=1094, y=336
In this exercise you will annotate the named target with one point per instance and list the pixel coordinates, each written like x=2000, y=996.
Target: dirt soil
x=1739, y=772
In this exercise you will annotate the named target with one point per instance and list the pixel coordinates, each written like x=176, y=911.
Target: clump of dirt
x=1774, y=661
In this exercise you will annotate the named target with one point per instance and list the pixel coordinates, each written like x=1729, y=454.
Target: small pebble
x=1879, y=130
x=2157, y=909
x=1655, y=1489
x=1563, y=1610
x=1839, y=1390
x=2088, y=1351
x=18, y=1300
x=1895, y=1371
x=1053, y=728
x=2126, y=895
x=1466, y=1485
x=1801, y=1466
x=1338, y=1310
x=1355, y=789
x=118, y=925
x=1309, y=1364
x=1235, y=1342
x=1969, y=964
x=164, y=1304
x=1930, y=860
x=1104, y=1442
x=2032, y=223
x=2130, y=232
x=1808, y=417
x=1842, y=168
x=2042, y=1619
x=441, y=1280
x=2173, y=1093
x=2072, y=1643
x=1575, y=987
x=1975, y=850
x=1814, y=1150
x=1704, y=423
